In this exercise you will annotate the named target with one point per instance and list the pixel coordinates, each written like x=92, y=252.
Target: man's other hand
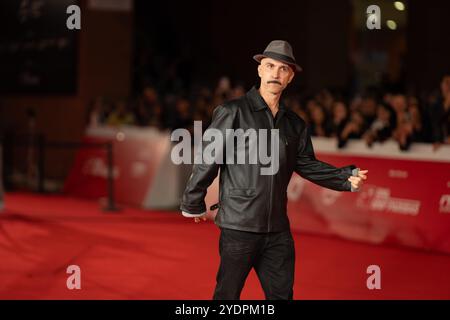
x=203, y=217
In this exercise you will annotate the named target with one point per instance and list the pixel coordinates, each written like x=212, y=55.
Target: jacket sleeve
x=203, y=174
x=319, y=172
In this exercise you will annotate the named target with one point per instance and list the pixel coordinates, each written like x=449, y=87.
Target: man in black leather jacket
x=255, y=231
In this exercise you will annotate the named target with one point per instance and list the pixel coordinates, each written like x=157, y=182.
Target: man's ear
x=259, y=70
x=291, y=77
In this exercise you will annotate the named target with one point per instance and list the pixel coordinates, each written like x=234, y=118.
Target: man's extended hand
x=357, y=182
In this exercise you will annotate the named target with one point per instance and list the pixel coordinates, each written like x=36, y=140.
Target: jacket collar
x=257, y=102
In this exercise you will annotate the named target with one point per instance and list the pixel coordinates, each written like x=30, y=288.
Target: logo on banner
x=297, y=185
x=97, y=167
x=379, y=199
x=138, y=169
x=329, y=197
x=444, y=203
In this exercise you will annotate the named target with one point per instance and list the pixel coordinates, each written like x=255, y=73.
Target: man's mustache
x=274, y=81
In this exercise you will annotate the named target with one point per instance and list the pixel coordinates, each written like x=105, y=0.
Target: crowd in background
x=374, y=116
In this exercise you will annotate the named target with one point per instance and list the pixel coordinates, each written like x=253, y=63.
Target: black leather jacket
x=249, y=201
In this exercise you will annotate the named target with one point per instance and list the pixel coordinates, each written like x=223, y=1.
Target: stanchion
x=41, y=144
x=41, y=163
x=111, y=206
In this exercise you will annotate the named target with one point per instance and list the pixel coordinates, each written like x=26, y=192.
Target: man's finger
x=362, y=174
x=355, y=181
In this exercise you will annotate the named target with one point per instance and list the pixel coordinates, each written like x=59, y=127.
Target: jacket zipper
x=271, y=120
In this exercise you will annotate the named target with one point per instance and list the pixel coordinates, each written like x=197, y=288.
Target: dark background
x=215, y=38
x=178, y=45
x=37, y=51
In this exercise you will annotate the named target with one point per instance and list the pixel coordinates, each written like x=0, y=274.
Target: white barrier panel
x=405, y=201
x=143, y=173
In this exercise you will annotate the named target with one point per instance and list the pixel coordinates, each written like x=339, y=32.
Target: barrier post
x=41, y=163
x=111, y=206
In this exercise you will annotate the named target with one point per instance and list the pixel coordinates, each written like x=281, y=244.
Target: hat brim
x=294, y=66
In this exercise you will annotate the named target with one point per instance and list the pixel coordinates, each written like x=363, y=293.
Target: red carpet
x=138, y=254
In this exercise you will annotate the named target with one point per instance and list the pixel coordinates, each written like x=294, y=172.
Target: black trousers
x=271, y=254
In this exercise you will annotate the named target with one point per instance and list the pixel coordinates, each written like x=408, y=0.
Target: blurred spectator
x=121, y=115
x=223, y=88
x=201, y=106
x=311, y=105
x=150, y=111
x=383, y=125
x=182, y=117
x=368, y=108
x=440, y=114
x=397, y=116
x=355, y=103
x=142, y=113
x=237, y=91
x=146, y=116
x=416, y=120
x=326, y=100
x=157, y=117
x=353, y=129
x=387, y=98
x=150, y=96
x=98, y=112
x=403, y=132
x=318, y=125
x=398, y=103
x=297, y=108
x=339, y=118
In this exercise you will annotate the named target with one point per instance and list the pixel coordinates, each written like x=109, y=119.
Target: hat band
x=278, y=56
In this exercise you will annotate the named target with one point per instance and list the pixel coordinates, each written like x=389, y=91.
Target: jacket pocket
x=249, y=192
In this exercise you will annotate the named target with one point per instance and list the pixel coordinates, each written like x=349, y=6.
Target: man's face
x=275, y=75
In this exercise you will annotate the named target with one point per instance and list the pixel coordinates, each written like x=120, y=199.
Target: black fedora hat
x=279, y=50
